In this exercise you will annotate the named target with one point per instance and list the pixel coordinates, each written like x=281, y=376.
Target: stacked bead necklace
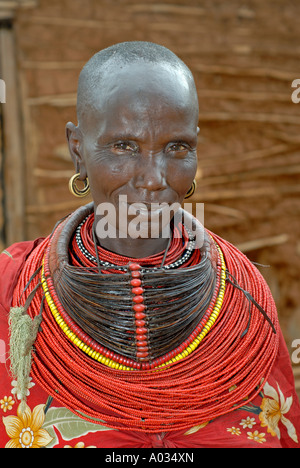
x=140, y=319
x=220, y=370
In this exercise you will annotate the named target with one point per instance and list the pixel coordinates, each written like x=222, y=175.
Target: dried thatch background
x=244, y=56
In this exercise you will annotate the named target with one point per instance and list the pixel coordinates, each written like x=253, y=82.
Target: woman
x=127, y=327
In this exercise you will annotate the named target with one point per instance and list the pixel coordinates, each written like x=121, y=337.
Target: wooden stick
x=292, y=169
x=250, y=155
x=225, y=210
x=249, y=117
x=262, y=243
x=66, y=206
x=245, y=71
x=245, y=96
x=271, y=191
x=14, y=164
x=53, y=65
x=53, y=174
x=169, y=9
x=58, y=100
x=62, y=152
x=283, y=136
x=78, y=22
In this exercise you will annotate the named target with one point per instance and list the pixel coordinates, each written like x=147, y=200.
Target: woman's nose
x=151, y=173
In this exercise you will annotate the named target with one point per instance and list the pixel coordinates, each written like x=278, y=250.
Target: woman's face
x=139, y=138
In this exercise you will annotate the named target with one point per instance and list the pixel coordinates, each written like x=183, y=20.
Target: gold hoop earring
x=75, y=190
x=192, y=190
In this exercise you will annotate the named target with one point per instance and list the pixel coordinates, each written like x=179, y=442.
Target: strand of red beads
x=138, y=306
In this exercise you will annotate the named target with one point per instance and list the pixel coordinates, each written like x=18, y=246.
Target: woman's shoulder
x=12, y=260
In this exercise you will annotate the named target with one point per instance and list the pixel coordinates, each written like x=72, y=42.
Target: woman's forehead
x=139, y=87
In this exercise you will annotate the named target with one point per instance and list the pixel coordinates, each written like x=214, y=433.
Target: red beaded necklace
x=223, y=373
x=142, y=353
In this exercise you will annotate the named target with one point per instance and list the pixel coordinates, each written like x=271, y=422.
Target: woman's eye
x=124, y=147
x=178, y=147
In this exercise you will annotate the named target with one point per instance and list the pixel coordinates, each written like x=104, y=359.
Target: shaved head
x=114, y=59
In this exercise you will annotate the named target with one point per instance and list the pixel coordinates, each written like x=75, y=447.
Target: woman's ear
x=74, y=139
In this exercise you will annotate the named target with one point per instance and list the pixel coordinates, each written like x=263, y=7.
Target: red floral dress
x=271, y=420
